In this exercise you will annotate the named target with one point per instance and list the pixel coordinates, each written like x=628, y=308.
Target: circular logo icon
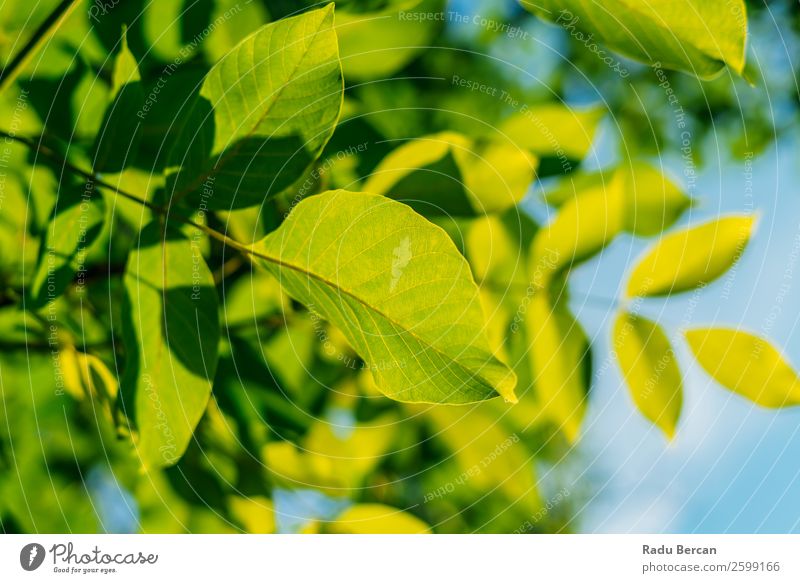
x=31, y=556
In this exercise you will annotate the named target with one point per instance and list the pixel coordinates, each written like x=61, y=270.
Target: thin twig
x=39, y=37
x=58, y=158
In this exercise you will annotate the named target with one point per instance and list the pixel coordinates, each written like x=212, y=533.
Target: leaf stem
x=39, y=37
x=48, y=152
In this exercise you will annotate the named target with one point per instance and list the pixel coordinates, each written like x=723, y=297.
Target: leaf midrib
x=280, y=263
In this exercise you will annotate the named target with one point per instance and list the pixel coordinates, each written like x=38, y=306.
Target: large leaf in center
x=263, y=115
x=397, y=288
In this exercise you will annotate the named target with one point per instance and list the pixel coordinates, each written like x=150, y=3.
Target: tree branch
x=39, y=37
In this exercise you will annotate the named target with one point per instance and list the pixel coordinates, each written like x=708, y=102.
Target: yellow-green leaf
x=560, y=361
x=582, y=227
x=691, y=258
x=255, y=514
x=699, y=37
x=451, y=174
x=488, y=454
x=651, y=201
x=376, y=44
x=117, y=141
x=650, y=369
x=377, y=519
x=747, y=365
x=334, y=457
x=397, y=288
x=497, y=249
x=549, y=129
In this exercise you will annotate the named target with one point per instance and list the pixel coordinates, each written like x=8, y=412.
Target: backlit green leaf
x=691, y=258
x=650, y=369
x=263, y=115
x=497, y=249
x=696, y=36
x=364, y=262
x=255, y=514
x=747, y=365
x=333, y=456
x=170, y=332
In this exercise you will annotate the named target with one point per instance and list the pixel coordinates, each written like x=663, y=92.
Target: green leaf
x=560, y=362
x=549, y=129
x=397, y=288
x=699, y=37
x=650, y=369
x=117, y=141
x=691, y=258
x=450, y=174
x=232, y=21
x=126, y=69
x=377, y=519
x=263, y=115
x=747, y=365
x=74, y=225
x=376, y=44
x=171, y=334
x=251, y=298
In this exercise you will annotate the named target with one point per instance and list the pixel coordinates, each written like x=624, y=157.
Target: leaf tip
x=669, y=430
x=505, y=388
x=572, y=431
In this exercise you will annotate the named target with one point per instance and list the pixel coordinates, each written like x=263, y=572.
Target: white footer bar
x=406, y=559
